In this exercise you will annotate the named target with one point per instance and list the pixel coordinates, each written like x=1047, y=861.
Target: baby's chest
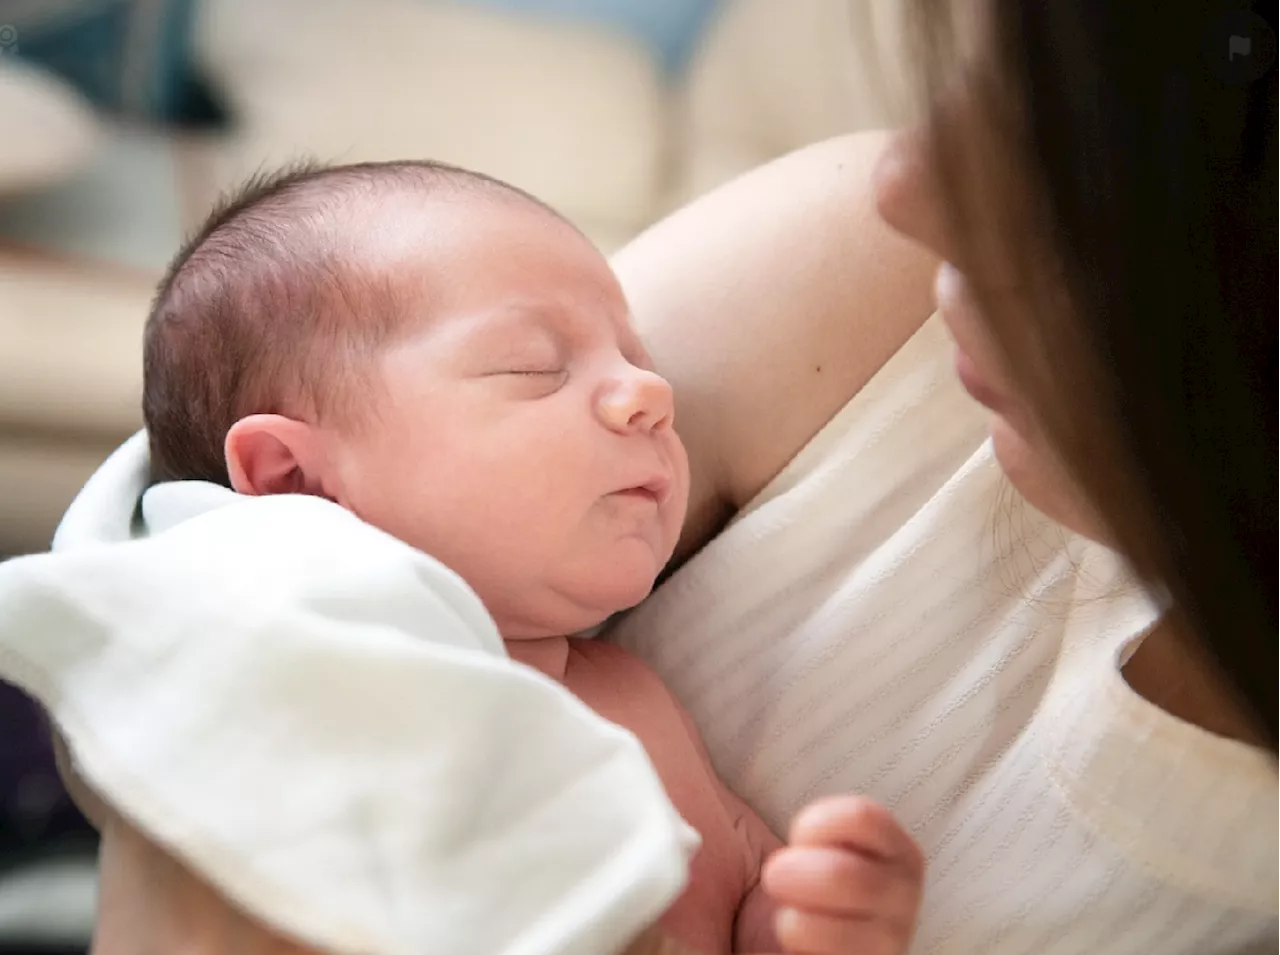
x=625, y=691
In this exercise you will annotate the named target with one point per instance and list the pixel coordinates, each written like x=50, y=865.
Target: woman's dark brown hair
x=1139, y=179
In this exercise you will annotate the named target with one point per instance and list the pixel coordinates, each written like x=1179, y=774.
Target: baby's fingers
x=840, y=883
x=849, y=882
x=812, y=933
x=860, y=825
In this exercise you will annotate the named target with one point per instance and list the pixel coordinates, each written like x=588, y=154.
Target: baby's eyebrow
x=562, y=327
x=502, y=320
x=509, y=328
x=528, y=316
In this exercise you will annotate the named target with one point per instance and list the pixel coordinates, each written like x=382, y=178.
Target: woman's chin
x=1036, y=475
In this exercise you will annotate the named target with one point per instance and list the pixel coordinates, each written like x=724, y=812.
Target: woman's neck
x=550, y=655
x=1172, y=672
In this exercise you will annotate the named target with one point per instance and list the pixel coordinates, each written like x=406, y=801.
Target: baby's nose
x=640, y=401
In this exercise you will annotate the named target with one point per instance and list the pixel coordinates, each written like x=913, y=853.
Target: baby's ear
x=272, y=454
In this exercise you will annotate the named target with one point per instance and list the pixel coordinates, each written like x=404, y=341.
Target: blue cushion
x=126, y=57
x=670, y=28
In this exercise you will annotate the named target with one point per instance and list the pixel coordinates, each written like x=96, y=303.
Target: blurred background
x=121, y=121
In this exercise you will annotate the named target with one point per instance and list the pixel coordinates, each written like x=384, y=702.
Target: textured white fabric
x=324, y=722
x=889, y=618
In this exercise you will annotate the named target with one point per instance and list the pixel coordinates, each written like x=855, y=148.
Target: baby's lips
x=657, y=489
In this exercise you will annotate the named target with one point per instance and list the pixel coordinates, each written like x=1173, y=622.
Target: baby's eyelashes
x=533, y=382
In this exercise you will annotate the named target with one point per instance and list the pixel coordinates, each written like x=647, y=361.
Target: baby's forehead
x=399, y=207
x=411, y=234
x=479, y=246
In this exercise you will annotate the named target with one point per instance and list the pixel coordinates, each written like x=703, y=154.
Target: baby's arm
x=753, y=929
x=848, y=883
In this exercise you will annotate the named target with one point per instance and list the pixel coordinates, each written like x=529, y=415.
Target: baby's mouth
x=657, y=490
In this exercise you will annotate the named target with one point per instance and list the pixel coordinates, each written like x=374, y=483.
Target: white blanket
x=323, y=721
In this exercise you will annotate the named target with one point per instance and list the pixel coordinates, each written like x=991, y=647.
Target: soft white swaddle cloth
x=323, y=721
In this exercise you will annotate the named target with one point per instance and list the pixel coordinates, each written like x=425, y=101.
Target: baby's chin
x=600, y=602
x=573, y=606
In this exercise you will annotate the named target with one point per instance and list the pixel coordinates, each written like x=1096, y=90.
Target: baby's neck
x=550, y=655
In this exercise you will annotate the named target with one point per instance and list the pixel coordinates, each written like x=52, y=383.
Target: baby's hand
x=848, y=882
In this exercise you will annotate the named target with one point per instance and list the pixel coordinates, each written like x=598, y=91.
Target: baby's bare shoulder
x=605, y=655
x=597, y=661
x=623, y=688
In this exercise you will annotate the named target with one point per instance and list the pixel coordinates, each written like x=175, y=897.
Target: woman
x=1086, y=771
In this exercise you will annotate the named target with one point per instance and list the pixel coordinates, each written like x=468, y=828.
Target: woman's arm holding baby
x=151, y=904
x=768, y=304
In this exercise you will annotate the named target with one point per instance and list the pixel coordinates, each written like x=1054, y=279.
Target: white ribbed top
x=889, y=618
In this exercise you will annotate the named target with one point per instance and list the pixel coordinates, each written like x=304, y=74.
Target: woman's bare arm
x=149, y=903
x=768, y=304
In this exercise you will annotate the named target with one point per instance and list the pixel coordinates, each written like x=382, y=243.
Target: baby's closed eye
x=529, y=372
x=534, y=361
x=531, y=381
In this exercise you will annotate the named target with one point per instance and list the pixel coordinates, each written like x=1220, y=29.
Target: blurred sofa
x=552, y=96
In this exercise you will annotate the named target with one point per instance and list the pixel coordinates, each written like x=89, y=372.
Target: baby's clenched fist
x=848, y=882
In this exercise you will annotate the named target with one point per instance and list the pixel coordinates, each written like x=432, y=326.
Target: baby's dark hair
x=267, y=310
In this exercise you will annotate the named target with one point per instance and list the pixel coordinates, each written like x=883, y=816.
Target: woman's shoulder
x=768, y=304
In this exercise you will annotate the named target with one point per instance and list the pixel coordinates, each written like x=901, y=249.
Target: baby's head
x=442, y=355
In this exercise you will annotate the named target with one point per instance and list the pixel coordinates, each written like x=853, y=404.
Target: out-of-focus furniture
x=590, y=119
x=47, y=884
x=772, y=77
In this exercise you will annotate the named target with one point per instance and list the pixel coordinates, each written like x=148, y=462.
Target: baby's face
x=520, y=434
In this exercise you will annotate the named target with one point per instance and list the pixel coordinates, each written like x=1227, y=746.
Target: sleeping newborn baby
x=451, y=361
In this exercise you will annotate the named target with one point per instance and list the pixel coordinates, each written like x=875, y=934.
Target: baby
x=450, y=360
